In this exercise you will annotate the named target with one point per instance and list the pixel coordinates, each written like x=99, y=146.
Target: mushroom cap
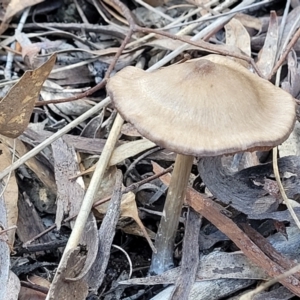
x=204, y=107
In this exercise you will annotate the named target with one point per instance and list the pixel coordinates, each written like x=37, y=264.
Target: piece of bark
x=64, y=288
x=105, y=235
x=190, y=257
x=4, y=248
x=70, y=194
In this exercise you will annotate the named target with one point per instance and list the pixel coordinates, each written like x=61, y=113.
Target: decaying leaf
x=10, y=194
x=4, y=248
x=106, y=234
x=129, y=209
x=70, y=195
x=216, y=265
x=16, y=107
x=29, y=224
x=129, y=130
x=237, y=35
x=61, y=288
x=211, y=289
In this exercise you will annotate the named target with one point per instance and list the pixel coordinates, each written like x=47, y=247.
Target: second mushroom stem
x=165, y=237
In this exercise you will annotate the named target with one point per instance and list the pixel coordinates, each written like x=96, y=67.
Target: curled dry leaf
x=16, y=107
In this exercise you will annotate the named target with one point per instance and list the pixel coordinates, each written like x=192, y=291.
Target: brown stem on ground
x=165, y=237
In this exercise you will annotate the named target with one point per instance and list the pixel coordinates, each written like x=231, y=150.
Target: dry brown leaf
x=39, y=281
x=29, y=223
x=70, y=194
x=129, y=209
x=237, y=35
x=134, y=229
x=16, y=107
x=10, y=194
x=68, y=108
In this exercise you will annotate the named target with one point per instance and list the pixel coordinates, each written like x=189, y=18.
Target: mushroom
x=209, y=106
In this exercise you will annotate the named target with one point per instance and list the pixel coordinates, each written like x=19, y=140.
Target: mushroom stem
x=162, y=260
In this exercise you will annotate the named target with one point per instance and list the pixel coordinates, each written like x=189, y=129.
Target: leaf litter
x=57, y=174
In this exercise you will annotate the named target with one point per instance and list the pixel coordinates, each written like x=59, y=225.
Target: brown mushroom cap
x=204, y=107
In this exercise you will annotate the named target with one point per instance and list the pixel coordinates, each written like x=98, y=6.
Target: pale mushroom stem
x=162, y=260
